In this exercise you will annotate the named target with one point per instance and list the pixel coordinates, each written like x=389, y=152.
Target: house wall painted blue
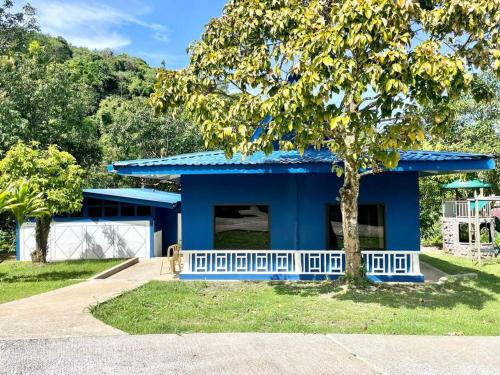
x=298, y=204
x=165, y=219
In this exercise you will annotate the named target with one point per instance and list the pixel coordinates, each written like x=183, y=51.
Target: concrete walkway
x=431, y=274
x=253, y=353
x=146, y=270
x=65, y=312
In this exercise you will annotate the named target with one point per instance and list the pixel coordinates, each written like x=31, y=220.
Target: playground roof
x=471, y=184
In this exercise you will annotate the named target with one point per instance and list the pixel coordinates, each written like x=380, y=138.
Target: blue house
x=277, y=216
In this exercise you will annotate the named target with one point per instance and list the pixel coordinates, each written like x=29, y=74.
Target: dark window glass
x=143, y=211
x=463, y=232
x=94, y=202
x=111, y=203
x=110, y=211
x=241, y=227
x=95, y=211
x=371, y=227
x=485, y=231
x=76, y=214
x=128, y=211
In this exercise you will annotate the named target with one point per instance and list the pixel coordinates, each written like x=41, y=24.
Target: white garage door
x=91, y=240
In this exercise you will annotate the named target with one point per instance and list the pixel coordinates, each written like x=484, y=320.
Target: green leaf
x=339, y=171
x=328, y=61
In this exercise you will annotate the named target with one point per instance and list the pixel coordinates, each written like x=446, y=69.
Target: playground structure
x=469, y=219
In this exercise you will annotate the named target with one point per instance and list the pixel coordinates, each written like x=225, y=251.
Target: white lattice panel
x=80, y=239
x=67, y=242
x=99, y=241
x=131, y=241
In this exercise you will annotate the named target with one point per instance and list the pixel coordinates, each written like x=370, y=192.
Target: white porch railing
x=461, y=209
x=314, y=262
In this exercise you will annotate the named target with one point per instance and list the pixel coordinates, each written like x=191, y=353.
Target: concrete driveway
x=65, y=312
x=253, y=354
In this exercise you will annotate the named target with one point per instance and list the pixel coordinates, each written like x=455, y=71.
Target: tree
x=130, y=130
x=475, y=128
x=348, y=75
x=15, y=27
x=41, y=101
x=54, y=179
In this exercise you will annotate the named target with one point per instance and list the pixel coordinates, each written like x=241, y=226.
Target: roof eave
x=129, y=200
x=171, y=171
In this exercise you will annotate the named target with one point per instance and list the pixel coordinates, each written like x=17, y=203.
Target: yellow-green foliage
x=53, y=176
x=347, y=74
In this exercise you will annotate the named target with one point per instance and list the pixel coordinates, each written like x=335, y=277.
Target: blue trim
x=18, y=242
x=97, y=219
x=151, y=238
x=296, y=277
x=141, y=202
x=443, y=166
x=396, y=278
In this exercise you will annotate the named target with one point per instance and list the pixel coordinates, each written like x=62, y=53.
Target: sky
x=155, y=30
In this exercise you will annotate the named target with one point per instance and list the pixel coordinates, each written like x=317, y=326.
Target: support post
x=415, y=260
x=469, y=230
x=298, y=262
x=478, y=231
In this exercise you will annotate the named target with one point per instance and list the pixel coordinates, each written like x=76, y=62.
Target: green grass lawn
x=466, y=307
x=23, y=279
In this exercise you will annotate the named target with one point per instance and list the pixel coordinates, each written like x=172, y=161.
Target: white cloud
x=93, y=25
x=161, y=37
x=96, y=41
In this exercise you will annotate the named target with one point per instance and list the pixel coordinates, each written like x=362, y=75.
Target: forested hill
x=93, y=104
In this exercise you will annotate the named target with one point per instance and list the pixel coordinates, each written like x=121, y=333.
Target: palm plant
x=22, y=202
x=4, y=200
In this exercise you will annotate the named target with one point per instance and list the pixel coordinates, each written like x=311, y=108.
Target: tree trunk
x=42, y=230
x=349, y=204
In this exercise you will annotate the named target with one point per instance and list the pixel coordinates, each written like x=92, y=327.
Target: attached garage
x=113, y=223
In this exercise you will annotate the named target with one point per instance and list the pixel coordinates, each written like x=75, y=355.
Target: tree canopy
x=15, y=26
x=91, y=104
x=324, y=69
x=128, y=127
x=50, y=172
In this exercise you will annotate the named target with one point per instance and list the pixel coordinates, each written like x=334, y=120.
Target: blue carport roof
x=146, y=197
x=312, y=161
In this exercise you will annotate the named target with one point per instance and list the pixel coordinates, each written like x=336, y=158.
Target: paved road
x=65, y=312
x=252, y=354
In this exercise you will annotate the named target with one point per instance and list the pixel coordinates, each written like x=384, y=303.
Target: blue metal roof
x=149, y=197
x=313, y=161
